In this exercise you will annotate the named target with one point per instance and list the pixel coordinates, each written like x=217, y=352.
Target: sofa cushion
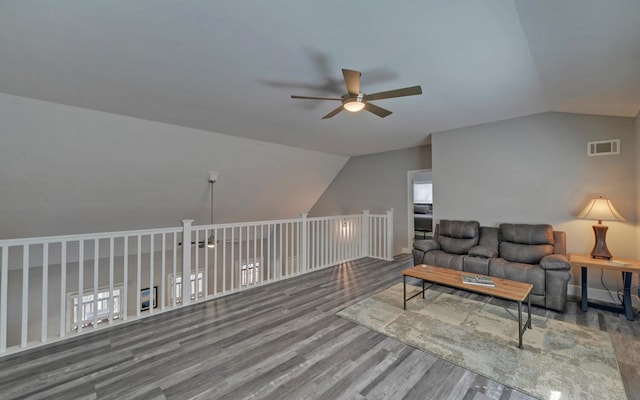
x=524, y=253
x=524, y=243
x=476, y=265
x=520, y=272
x=458, y=237
x=481, y=251
x=555, y=262
x=489, y=237
x=444, y=259
x=526, y=233
x=426, y=245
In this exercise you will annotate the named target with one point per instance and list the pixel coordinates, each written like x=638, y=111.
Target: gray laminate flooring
x=278, y=341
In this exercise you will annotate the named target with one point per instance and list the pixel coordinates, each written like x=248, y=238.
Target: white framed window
x=422, y=193
x=197, y=281
x=83, y=312
x=250, y=271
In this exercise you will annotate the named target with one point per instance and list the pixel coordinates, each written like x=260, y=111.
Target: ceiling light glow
x=353, y=106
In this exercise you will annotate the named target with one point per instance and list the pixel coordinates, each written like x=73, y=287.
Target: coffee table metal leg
x=404, y=292
x=520, y=330
x=529, y=308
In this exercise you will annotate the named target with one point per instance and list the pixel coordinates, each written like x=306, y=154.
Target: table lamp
x=600, y=209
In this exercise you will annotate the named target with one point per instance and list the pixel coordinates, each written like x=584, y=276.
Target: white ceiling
x=229, y=66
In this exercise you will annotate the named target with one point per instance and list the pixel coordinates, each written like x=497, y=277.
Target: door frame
x=410, y=178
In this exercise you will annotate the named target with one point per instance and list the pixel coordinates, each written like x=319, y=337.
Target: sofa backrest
x=525, y=243
x=560, y=245
x=458, y=237
x=489, y=238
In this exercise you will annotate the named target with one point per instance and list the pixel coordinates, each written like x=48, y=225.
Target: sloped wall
x=67, y=170
x=375, y=182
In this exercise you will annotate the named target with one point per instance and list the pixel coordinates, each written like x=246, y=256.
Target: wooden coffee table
x=504, y=288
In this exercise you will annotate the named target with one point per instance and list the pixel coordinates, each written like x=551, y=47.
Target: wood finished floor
x=280, y=341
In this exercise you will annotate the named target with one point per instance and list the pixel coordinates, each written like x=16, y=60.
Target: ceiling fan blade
x=315, y=98
x=333, y=113
x=408, y=91
x=352, y=80
x=379, y=111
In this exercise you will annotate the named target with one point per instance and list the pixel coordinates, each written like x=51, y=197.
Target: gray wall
x=535, y=169
x=376, y=182
x=637, y=129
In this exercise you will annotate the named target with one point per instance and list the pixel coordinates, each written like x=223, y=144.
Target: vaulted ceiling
x=230, y=66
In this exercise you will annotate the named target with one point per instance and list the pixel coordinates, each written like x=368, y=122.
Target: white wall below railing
x=125, y=276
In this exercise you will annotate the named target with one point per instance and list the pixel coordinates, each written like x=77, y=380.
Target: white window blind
x=423, y=193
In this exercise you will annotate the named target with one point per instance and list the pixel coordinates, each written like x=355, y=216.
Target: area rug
x=560, y=360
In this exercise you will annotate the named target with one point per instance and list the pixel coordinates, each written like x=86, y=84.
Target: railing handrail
x=86, y=236
x=155, y=231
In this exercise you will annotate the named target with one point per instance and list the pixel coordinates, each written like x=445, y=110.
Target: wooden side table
x=626, y=266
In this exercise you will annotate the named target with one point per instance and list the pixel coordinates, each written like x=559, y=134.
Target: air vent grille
x=603, y=147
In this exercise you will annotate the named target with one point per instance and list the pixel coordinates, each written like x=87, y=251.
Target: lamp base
x=600, y=249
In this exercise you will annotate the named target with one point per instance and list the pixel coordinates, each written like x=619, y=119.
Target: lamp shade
x=601, y=209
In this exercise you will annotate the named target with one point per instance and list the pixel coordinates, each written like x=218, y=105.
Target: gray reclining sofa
x=534, y=254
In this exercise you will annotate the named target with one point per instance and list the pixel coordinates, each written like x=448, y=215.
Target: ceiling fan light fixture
x=354, y=104
x=354, y=100
x=211, y=242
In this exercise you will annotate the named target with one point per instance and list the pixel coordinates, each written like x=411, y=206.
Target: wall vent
x=603, y=147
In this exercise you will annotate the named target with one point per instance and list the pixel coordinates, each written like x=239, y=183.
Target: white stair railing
x=56, y=287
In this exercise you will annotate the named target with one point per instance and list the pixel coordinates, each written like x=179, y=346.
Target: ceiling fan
x=354, y=100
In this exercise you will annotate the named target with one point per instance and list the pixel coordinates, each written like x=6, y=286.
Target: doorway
x=420, y=205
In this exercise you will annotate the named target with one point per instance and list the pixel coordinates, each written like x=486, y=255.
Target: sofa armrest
x=557, y=262
x=426, y=245
x=484, y=252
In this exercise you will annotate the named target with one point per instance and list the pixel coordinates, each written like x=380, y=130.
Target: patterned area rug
x=560, y=360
